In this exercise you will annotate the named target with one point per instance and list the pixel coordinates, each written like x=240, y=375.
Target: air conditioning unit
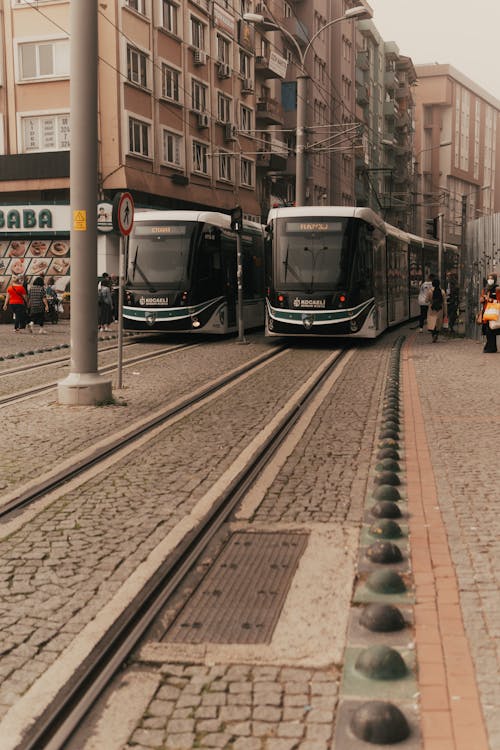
x=199, y=57
x=203, y=120
x=223, y=70
x=230, y=132
x=247, y=86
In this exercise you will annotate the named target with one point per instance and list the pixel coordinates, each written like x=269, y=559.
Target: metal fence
x=480, y=257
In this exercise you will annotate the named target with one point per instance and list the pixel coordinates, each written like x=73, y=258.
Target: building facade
x=456, y=151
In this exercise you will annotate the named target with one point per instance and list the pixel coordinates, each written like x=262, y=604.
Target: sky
x=461, y=33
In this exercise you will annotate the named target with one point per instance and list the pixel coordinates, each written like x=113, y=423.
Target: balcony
x=363, y=60
x=402, y=91
x=391, y=80
x=390, y=109
x=362, y=94
x=297, y=29
x=269, y=111
x=264, y=66
x=274, y=158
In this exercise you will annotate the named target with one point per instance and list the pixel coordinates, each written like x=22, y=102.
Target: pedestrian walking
x=490, y=293
x=437, y=309
x=425, y=288
x=38, y=305
x=105, y=302
x=52, y=300
x=17, y=299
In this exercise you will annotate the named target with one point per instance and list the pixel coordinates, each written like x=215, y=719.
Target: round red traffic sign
x=123, y=213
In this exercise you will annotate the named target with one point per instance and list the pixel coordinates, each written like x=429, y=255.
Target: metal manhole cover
x=240, y=598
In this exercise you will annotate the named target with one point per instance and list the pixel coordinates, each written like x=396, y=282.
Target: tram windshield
x=159, y=254
x=312, y=254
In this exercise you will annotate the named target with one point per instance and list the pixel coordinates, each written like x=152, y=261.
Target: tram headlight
x=307, y=321
x=195, y=322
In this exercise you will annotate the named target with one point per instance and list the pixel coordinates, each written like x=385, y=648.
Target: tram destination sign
x=313, y=226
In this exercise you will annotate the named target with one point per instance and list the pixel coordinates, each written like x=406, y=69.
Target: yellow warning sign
x=80, y=221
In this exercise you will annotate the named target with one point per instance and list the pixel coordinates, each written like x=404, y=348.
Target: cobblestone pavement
x=62, y=431
x=458, y=387
x=59, y=570
x=57, y=573
x=242, y=707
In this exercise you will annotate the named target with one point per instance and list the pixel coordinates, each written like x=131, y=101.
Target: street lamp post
x=358, y=12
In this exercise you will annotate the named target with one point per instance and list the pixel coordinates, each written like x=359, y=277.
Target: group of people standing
x=433, y=307
x=29, y=306
x=436, y=307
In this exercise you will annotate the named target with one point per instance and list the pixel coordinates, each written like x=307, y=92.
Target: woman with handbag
x=437, y=310
x=490, y=293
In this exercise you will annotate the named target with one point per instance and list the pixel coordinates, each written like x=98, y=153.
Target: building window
x=246, y=175
x=225, y=167
x=245, y=65
x=200, y=157
x=199, y=96
x=246, y=120
x=139, y=139
x=197, y=33
x=44, y=59
x=137, y=66
x=45, y=133
x=138, y=5
x=223, y=49
x=170, y=83
x=170, y=12
x=223, y=108
x=172, y=149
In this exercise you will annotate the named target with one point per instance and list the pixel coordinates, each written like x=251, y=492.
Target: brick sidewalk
x=448, y=473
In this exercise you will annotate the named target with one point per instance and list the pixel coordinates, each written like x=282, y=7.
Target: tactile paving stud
x=388, y=452
x=379, y=722
x=386, y=582
x=381, y=662
x=386, y=492
x=386, y=509
x=384, y=552
x=382, y=618
x=386, y=529
x=387, y=477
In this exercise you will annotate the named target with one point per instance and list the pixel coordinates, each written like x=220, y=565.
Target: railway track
x=59, y=720
x=24, y=497
x=36, y=390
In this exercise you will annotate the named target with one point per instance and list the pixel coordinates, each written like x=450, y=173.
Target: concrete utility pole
x=83, y=385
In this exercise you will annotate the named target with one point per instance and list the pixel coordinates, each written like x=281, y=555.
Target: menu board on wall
x=31, y=258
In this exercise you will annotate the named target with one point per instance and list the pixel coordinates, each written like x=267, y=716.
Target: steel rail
x=36, y=390
x=63, y=717
x=57, y=360
x=58, y=479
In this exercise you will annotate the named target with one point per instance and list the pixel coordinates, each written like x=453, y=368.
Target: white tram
x=343, y=271
x=181, y=273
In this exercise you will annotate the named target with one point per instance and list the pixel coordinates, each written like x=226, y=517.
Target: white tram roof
x=341, y=212
x=212, y=217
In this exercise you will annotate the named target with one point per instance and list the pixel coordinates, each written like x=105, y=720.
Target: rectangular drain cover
x=240, y=598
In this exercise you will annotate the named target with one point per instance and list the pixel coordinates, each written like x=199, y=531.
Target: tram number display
x=313, y=226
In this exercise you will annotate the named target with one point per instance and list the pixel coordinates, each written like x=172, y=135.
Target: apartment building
x=457, y=148
x=385, y=85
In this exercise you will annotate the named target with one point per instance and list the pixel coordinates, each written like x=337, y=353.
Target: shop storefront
x=35, y=241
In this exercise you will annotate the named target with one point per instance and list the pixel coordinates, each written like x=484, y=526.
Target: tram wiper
x=288, y=266
x=136, y=267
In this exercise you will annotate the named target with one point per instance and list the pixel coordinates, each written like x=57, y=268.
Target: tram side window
x=209, y=272
x=362, y=269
